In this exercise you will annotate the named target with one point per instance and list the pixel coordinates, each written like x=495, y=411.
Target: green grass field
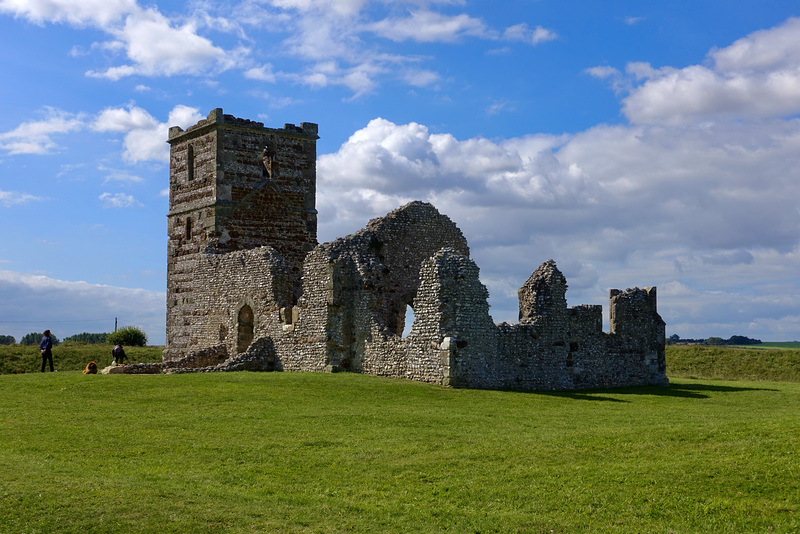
x=307, y=452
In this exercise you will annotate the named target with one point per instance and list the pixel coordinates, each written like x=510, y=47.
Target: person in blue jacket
x=46, y=348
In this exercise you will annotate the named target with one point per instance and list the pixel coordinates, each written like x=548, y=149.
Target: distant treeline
x=86, y=337
x=733, y=340
x=35, y=337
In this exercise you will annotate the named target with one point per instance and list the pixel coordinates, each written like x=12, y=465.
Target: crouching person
x=118, y=355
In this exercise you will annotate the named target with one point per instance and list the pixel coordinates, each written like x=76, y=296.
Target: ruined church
x=250, y=288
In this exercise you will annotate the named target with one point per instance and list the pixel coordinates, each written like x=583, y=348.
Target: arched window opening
x=190, y=162
x=245, y=323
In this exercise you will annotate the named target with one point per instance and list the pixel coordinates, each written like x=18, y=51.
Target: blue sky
x=635, y=143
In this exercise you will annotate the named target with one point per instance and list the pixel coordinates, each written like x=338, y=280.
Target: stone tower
x=236, y=185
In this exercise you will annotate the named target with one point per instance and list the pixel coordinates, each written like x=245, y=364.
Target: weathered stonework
x=249, y=288
x=234, y=186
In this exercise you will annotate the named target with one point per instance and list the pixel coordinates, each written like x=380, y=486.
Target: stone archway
x=244, y=325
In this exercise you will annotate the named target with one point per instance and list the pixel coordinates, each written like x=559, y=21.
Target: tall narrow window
x=267, y=156
x=190, y=162
x=188, y=228
x=244, y=327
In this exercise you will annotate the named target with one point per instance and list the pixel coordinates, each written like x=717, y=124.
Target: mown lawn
x=305, y=452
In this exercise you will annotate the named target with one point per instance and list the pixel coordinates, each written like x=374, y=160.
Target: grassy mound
x=311, y=452
x=728, y=363
x=68, y=356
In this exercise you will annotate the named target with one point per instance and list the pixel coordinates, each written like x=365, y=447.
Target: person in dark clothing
x=46, y=348
x=118, y=354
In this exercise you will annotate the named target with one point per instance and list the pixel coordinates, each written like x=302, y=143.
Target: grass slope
x=698, y=361
x=307, y=452
x=15, y=359
x=781, y=344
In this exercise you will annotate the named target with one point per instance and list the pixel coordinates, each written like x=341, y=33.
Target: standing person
x=46, y=348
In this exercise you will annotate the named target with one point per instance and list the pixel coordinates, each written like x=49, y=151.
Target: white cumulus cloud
x=616, y=206
x=158, y=47
x=36, y=137
x=140, y=39
x=263, y=73
x=429, y=26
x=119, y=176
x=335, y=40
x=119, y=200
x=154, y=44
x=522, y=32
x=77, y=12
x=145, y=137
x=756, y=77
x=123, y=120
x=14, y=198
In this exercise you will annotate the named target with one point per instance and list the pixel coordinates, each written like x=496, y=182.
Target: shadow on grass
x=691, y=391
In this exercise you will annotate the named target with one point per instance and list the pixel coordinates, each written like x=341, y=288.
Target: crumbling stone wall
x=368, y=280
x=250, y=289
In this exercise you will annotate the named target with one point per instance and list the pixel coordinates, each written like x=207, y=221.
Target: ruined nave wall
x=248, y=282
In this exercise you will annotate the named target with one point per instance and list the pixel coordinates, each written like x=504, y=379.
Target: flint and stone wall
x=234, y=185
x=249, y=288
